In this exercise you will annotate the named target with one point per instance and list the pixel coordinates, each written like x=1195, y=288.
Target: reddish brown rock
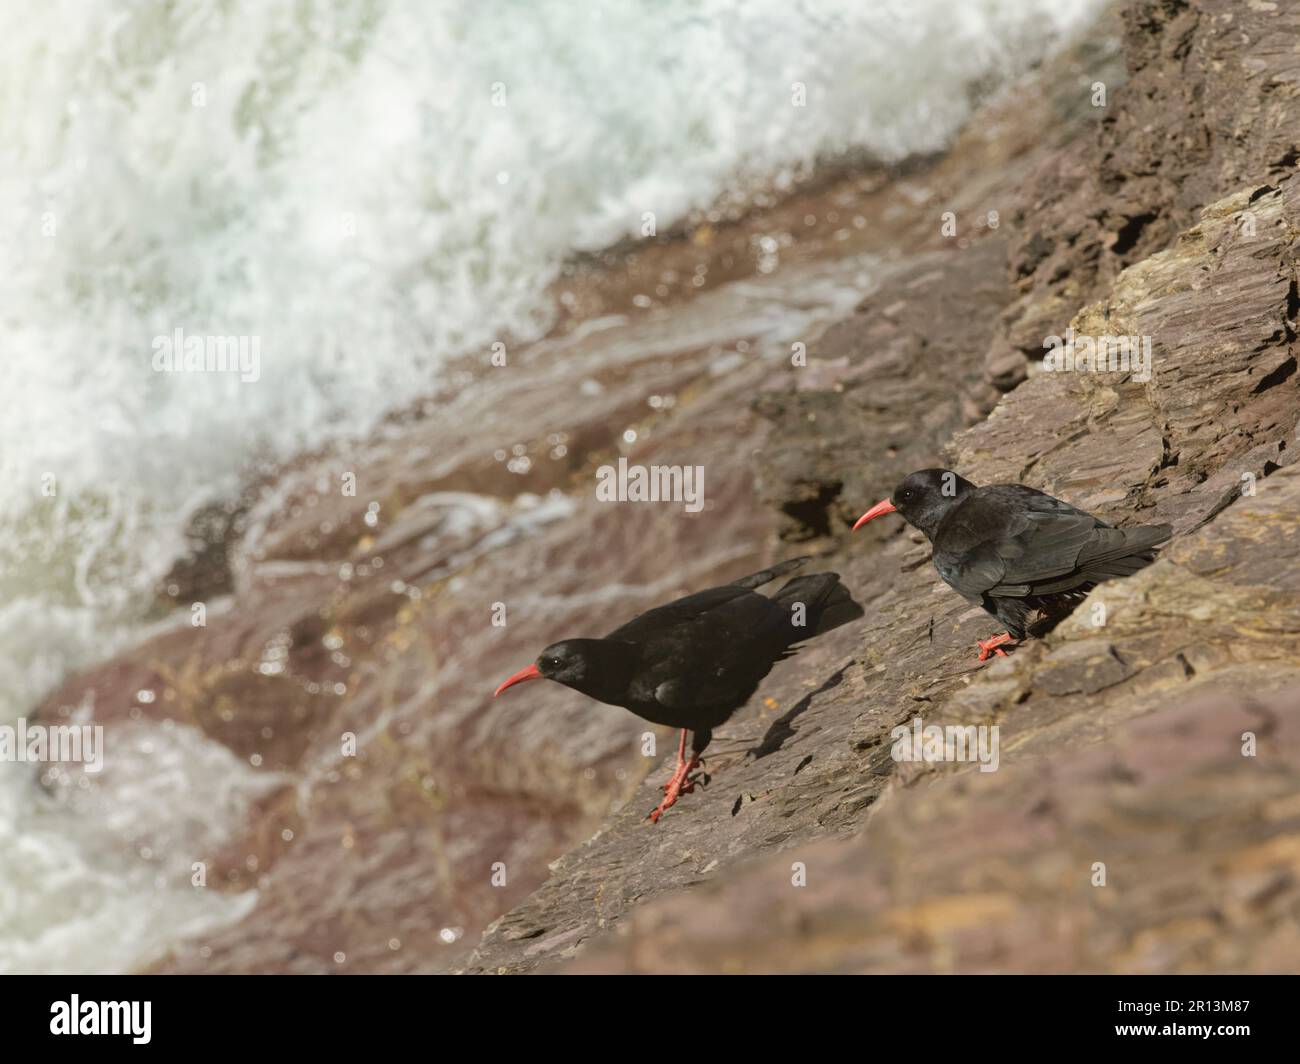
x=1210, y=105
x=1206, y=444
x=356, y=653
x=1163, y=849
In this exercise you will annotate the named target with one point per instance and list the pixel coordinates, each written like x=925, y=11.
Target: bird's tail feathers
x=765, y=576
x=1134, y=550
x=1144, y=537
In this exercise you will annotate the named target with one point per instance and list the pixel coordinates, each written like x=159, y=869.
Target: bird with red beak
x=1014, y=550
x=692, y=663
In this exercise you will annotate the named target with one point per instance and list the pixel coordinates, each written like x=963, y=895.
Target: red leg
x=681, y=756
x=679, y=784
x=994, y=645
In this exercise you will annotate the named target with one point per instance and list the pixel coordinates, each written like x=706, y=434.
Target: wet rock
x=1206, y=443
x=1166, y=849
x=1208, y=106
x=357, y=650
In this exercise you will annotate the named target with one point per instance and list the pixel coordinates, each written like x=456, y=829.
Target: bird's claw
x=993, y=645
x=679, y=784
x=688, y=784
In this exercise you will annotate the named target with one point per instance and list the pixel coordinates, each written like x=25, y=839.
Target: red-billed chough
x=692, y=663
x=1015, y=550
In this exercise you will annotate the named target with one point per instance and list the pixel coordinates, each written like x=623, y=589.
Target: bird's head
x=922, y=499
x=577, y=663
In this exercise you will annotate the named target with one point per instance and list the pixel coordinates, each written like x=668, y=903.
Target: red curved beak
x=530, y=673
x=884, y=506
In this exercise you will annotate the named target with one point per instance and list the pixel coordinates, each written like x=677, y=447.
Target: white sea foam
x=101, y=875
x=337, y=180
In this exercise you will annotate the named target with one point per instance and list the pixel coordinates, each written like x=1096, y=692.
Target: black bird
x=1015, y=550
x=692, y=663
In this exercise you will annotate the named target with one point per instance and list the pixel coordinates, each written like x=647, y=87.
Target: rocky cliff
x=1130, y=826
x=1145, y=814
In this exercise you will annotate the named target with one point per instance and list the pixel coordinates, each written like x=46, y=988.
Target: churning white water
x=364, y=187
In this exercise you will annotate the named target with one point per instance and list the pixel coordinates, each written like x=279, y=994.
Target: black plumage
x=692, y=663
x=1013, y=549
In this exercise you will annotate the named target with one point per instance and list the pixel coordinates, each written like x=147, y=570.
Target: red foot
x=686, y=787
x=675, y=787
x=679, y=784
x=994, y=645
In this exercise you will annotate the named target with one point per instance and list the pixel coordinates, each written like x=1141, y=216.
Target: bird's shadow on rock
x=781, y=729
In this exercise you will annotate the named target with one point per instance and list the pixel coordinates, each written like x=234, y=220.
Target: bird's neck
x=610, y=665
x=929, y=519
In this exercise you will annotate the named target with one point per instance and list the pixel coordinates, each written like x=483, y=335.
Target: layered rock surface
x=357, y=652
x=1123, y=731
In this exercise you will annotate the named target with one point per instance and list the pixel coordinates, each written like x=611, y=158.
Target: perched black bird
x=1015, y=550
x=692, y=663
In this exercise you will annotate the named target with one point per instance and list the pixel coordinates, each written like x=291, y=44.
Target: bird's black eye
x=907, y=494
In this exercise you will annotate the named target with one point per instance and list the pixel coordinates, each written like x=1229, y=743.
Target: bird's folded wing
x=1035, y=547
x=702, y=602
x=712, y=683
x=1046, y=553
x=722, y=654
x=679, y=611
